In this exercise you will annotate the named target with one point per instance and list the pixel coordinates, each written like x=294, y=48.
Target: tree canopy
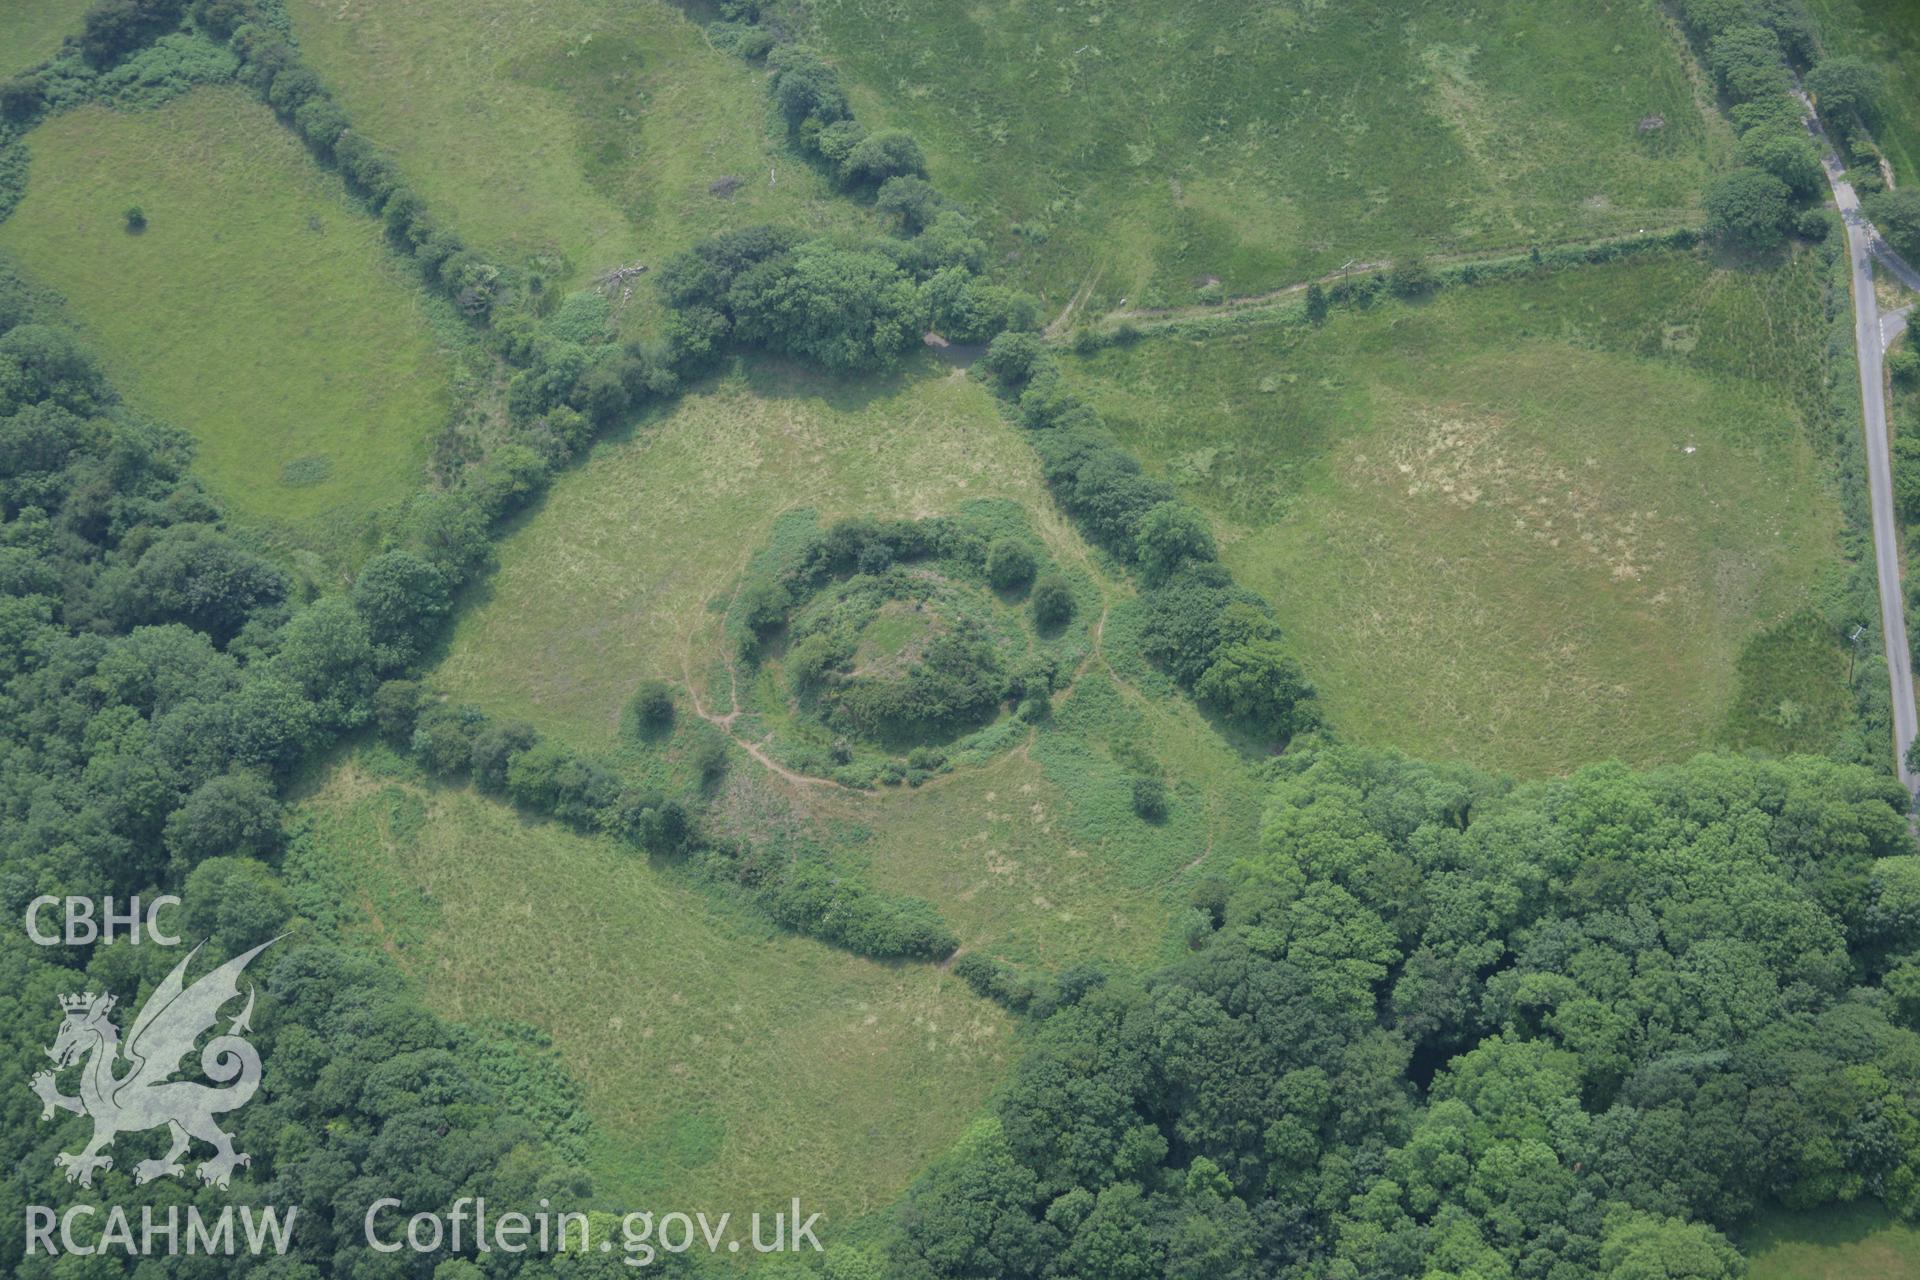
x=1748, y=208
x=1441, y=1025
x=1845, y=88
x=1896, y=214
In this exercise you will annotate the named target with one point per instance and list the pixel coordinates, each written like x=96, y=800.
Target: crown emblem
x=81, y=1003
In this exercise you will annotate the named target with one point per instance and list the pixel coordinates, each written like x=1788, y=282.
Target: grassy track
x=1885, y=33
x=33, y=29
x=259, y=309
x=726, y=1066
x=1857, y=1242
x=1156, y=145
x=1525, y=525
x=573, y=135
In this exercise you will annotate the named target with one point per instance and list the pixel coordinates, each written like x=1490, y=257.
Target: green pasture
x=624, y=572
x=570, y=137
x=1840, y=1242
x=1527, y=524
x=725, y=1064
x=1140, y=150
x=259, y=308
x=31, y=30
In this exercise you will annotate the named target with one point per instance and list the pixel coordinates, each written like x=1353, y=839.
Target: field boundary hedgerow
x=1368, y=974
x=443, y=538
x=1218, y=639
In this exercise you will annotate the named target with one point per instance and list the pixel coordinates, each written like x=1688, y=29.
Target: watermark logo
x=128, y=1088
x=88, y=922
x=469, y=1227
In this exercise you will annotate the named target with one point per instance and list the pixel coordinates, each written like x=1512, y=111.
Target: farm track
x=1167, y=317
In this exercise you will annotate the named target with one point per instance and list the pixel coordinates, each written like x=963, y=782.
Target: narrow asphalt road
x=1869, y=344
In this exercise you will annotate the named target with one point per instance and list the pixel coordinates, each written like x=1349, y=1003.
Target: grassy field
x=575, y=135
x=1146, y=148
x=616, y=576
x=258, y=309
x=1035, y=855
x=1886, y=34
x=725, y=1065
x=622, y=573
x=33, y=29
x=1859, y=1242
x=1528, y=524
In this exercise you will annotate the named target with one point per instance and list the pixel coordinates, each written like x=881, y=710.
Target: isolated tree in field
x=1749, y=209
x=1316, y=303
x=1052, y=601
x=1010, y=564
x=1150, y=798
x=136, y=218
x=1896, y=214
x=1171, y=535
x=1785, y=151
x=1845, y=89
x=651, y=707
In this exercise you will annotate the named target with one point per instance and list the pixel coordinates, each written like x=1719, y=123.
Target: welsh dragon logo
x=143, y=1097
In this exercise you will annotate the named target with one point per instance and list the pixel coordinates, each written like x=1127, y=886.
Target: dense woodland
x=1442, y=1026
